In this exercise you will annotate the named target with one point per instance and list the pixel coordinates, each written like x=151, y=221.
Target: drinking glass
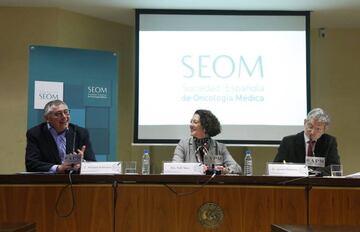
x=130, y=167
x=336, y=170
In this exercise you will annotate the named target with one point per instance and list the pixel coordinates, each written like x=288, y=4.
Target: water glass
x=336, y=170
x=130, y=167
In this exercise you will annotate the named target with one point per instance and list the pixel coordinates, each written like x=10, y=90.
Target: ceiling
x=325, y=13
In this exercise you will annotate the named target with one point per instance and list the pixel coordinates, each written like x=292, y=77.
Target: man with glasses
x=49, y=142
x=313, y=141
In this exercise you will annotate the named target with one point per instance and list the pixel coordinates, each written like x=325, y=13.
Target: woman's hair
x=209, y=122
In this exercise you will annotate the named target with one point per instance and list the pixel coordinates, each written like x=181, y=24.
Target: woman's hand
x=224, y=170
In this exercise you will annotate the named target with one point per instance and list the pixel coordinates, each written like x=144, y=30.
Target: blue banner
x=87, y=81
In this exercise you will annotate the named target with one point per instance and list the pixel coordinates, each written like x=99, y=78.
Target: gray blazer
x=186, y=149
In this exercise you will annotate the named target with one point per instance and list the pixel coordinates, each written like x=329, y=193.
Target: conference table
x=176, y=202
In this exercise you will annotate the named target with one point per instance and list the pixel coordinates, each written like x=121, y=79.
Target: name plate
x=72, y=158
x=290, y=169
x=312, y=161
x=216, y=160
x=100, y=168
x=170, y=168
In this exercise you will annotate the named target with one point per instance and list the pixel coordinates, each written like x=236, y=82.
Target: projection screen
x=250, y=68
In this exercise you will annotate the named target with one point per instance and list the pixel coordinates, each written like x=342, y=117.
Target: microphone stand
x=211, y=170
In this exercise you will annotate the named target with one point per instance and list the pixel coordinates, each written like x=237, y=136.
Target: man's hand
x=63, y=167
x=82, y=151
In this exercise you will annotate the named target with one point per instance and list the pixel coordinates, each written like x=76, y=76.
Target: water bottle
x=145, y=168
x=248, y=168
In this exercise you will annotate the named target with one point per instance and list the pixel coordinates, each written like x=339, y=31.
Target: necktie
x=311, y=146
x=61, y=147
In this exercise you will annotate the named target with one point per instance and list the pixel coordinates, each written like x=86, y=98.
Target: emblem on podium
x=210, y=215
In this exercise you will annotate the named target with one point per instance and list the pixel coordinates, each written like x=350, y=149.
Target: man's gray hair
x=320, y=115
x=50, y=104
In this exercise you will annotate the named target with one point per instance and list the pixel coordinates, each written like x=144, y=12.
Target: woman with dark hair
x=201, y=148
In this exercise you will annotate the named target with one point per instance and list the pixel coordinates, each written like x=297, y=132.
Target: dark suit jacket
x=42, y=152
x=292, y=149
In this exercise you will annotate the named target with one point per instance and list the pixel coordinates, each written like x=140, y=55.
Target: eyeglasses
x=309, y=127
x=58, y=114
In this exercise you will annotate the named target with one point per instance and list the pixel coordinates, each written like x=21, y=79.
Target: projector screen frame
x=138, y=12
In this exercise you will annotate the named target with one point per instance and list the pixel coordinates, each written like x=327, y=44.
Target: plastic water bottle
x=248, y=167
x=145, y=168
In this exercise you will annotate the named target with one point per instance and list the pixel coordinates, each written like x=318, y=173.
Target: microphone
x=73, y=158
x=211, y=170
x=73, y=148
